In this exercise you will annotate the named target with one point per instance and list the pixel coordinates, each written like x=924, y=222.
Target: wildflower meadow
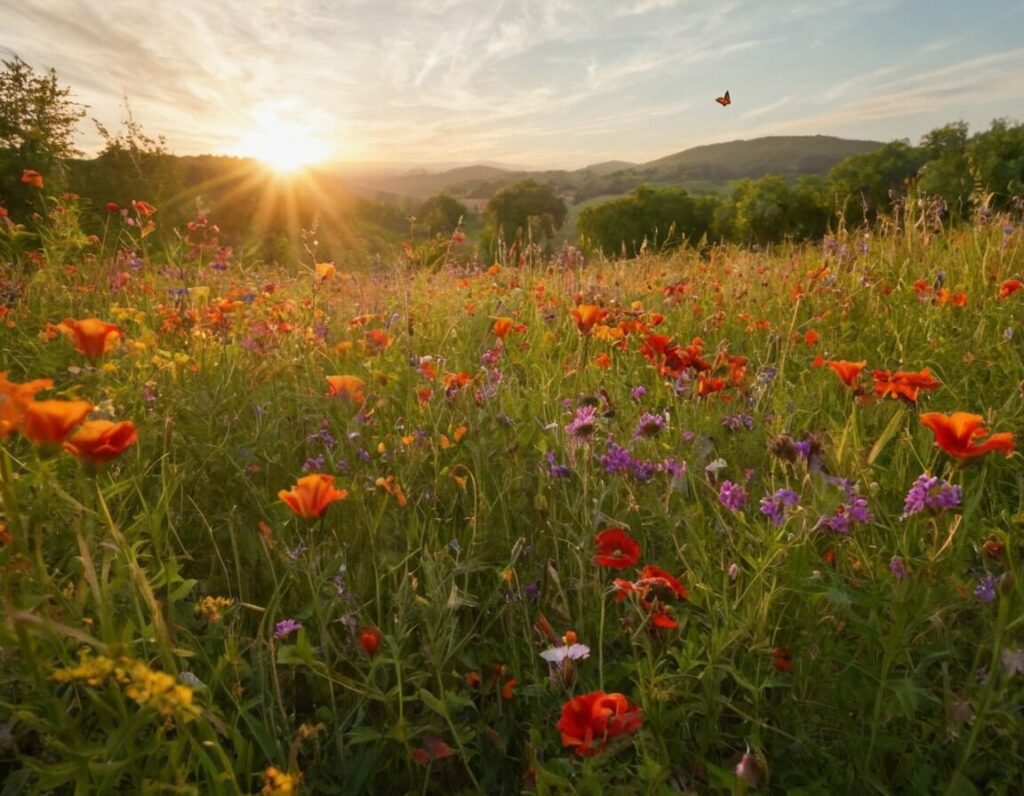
x=710, y=520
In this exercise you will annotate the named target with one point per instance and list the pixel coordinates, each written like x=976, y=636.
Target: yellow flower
x=209, y=607
x=278, y=783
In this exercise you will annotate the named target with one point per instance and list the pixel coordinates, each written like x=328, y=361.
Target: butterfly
x=723, y=101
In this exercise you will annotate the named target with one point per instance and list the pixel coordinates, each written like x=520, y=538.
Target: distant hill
x=699, y=169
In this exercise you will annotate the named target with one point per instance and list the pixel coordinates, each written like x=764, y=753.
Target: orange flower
x=847, y=371
x=502, y=325
x=349, y=386
x=392, y=487
x=586, y=315
x=369, y=640
x=958, y=434
x=14, y=398
x=311, y=495
x=50, y=422
x=589, y=721
x=32, y=177
x=325, y=271
x=91, y=336
x=903, y=384
x=144, y=209
x=1009, y=287
x=101, y=440
x=378, y=340
x=603, y=361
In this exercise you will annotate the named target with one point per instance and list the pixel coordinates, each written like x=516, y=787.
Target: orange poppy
x=311, y=495
x=501, y=327
x=589, y=721
x=101, y=440
x=325, y=271
x=144, y=209
x=903, y=384
x=1009, y=287
x=91, y=336
x=350, y=387
x=14, y=398
x=50, y=422
x=32, y=177
x=958, y=434
x=846, y=371
x=390, y=485
x=586, y=315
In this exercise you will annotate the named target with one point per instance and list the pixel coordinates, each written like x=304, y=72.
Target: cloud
x=765, y=109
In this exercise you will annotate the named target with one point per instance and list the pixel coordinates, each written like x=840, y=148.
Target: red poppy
x=781, y=659
x=311, y=495
x=144, y=209
x=958, y=434
x=369, y=640
x=113, y=207
x=903, y=384
x=589, y=721
x=1009, y=287
x=616, y=549
x=657, y=581
x=432, y=749
x=846, y=371
x=32, y=177
x=101, y=440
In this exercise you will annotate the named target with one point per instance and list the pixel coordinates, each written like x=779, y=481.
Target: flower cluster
x=931, y=493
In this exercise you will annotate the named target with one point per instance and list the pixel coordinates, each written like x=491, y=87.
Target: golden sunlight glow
x=282, y=144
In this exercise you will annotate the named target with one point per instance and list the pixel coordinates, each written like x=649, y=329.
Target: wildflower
x=589, y=721
x=774, y=506
x=846, y=371
x=957, y=435
x=616, y=549
x=932, y=493
x=311, y=495
x=325, y=271
x=369, y=640
x=144, y=209
x=91, y=336
x=713, y=468
x=732, y=496
x=1013, y=661
x=50, y=422
x=649, y=425
x=278, y=783
x=638, y=392
x=209, y=607
x=350, y=387
x=502, y=326
x=1009, y=287
x=101, y=440
x=781, y=659
x=749, y=769
x=903, y=384
x=313, y=464
x=32, y=177
x=897, y=568
x=584, y=423
x=568, y=651
x=14, y=398
x=736, y=422
x=432, y=749
x=985, y=591
x=586, y=315
x=286, y=627
x=390, y=485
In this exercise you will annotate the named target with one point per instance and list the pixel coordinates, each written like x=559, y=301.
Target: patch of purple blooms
x=774, y=506
x=732, y=496
x=737, y=422
x=556, y=470
x=931, y=493
x=854, y=510
x=584, y=424
x=619, y=461
x=649, y=425
x=897, y=567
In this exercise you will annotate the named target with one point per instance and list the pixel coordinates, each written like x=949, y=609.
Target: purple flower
x=929, y=492
x=649, y=425
x=985, y=591
x=897, y=568
x=638, y=392
x=531, y=591
x=774, y=506
x=675, y=468
x=584, y=423
x=286, y=627
x=314, y=464
x=737, y=422
x=556, y=470
x=732, y=496
x=616, y=459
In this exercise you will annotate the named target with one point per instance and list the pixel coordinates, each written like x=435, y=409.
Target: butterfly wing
x=724, y=100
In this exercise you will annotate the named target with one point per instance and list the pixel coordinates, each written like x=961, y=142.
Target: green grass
x=896, y=685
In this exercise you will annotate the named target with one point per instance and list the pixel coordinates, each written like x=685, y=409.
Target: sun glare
x=283, y=145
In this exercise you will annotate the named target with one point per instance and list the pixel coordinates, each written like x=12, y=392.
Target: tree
x=661, y=218
x=997, y=156
x=947, y=172
x=763, y=210
x=864, y=181
x=528, y=209
x=37, y=116
x=442, y=214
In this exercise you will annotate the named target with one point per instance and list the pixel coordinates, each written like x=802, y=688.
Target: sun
x=282, y=144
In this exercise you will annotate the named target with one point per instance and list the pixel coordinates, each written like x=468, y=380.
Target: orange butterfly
x=723, y=101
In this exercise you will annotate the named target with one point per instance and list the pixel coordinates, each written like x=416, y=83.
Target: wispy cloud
x=765, y=109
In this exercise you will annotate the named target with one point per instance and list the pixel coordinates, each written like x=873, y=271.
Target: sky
x=537, y=83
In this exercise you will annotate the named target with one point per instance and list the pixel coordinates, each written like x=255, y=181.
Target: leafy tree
x=38, y=119
x=528, y=209
x=763, y=210
x=997, y=156
x=442, y=213
x=947, y=172
x=811, y=207
x=659, y=218
x=866, y=180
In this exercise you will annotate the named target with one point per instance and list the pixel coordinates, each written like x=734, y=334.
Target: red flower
x=113, y=207
x=369, y=640
x=432, y=749
x=903, y=384
x=50, y=422
x=32, y=177
x=616, y=549
x=590, y=721
x=502, y=325
x=846, y=371
x=586, y=315
x=101, y=440
x=957, y=434
x=144, y=209
x=91, y=336
x=1009, y=287
x=656, y=580
x=781, y=659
